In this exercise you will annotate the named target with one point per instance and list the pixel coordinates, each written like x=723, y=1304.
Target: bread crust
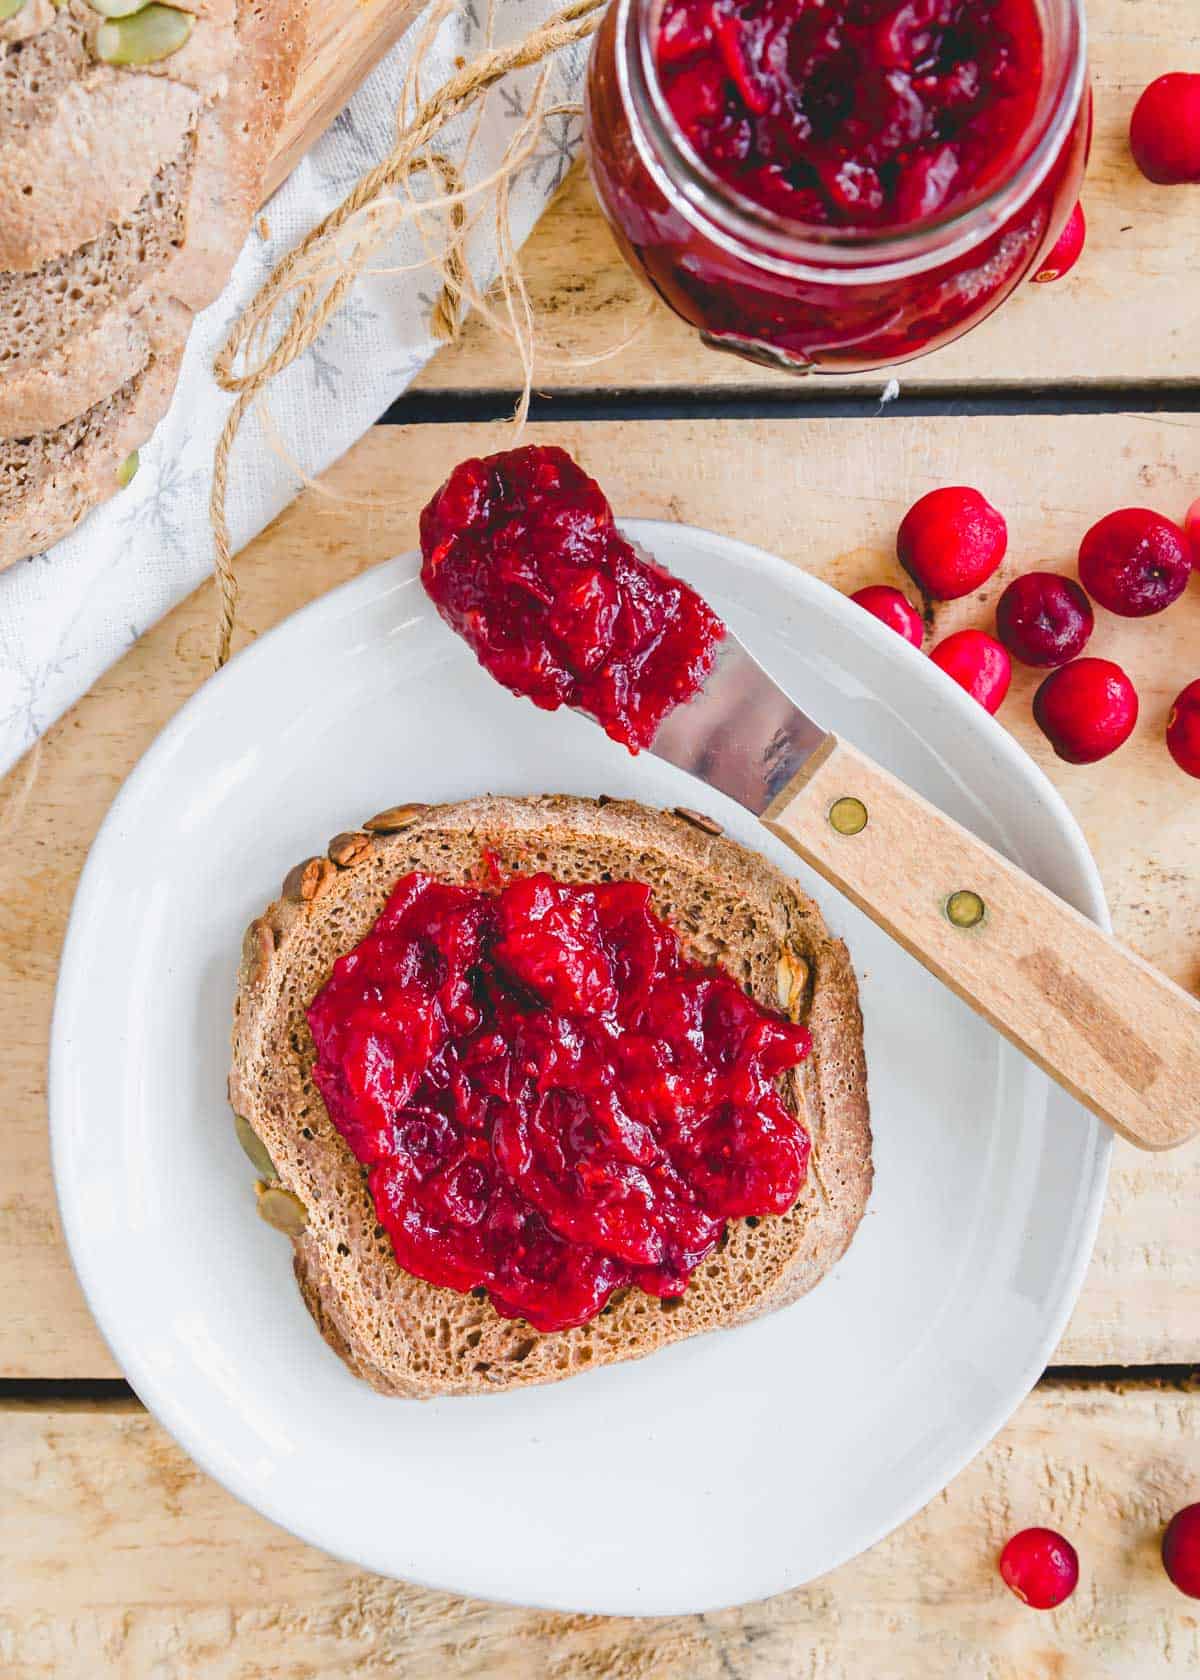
x=407, y=1337
x=113, y=350
x=58, y=476
x=234, y=139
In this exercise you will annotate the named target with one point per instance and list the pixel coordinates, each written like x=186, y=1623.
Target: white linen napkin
x=67, y=614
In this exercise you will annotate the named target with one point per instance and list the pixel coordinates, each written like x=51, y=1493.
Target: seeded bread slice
x=81, y=141
x=407, y=1337
x=83, y=324
x=49, y=481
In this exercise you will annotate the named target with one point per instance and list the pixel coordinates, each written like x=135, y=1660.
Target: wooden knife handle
x=1109, y=1028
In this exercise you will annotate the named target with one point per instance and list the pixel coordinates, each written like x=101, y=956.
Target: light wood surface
x=120, y=1558
x=1130, y=312
x=345, y=43
x=825, y=494
x=1111, y=1029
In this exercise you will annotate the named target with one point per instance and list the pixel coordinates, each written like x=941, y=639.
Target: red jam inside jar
x=839, y=184
x=859, y=113
x=552, y=1101
x=521, y=557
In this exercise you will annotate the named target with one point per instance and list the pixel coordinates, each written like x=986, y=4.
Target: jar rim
x=772, y=241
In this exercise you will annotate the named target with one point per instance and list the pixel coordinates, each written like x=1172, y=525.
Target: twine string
x=311, y=283
x=519, y=150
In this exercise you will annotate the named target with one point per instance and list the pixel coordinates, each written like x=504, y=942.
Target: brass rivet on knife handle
x=848, y=815
x=965, y=909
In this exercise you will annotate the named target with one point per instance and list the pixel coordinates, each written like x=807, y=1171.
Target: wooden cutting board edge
x=345, y=43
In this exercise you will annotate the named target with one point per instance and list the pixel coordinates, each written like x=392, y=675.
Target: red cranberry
x=1164, y=132
x=1041, y=1567
x=1067, y=250
x=1044, y=619
x=1183, y=741
x=951, y=541
x=1181, y=1545
x=1086, y=709
x=1135, y=562
x=892, y=608
x=977, y=663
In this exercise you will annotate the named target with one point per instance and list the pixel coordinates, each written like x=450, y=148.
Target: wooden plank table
x=1129, y=314
x=117, y=1556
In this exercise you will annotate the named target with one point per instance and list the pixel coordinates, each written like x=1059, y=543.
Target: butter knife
x=1109, y=1028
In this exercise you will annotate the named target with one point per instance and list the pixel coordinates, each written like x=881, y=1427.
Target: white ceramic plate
x=723, y=1469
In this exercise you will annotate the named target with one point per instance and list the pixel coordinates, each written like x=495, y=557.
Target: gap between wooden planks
x=826, y=494
x=120, y=1556
x=1130, y=313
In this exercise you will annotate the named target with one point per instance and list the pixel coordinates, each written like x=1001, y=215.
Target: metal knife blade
x=741, y=733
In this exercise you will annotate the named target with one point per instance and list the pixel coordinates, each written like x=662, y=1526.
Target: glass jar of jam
x=837, y=184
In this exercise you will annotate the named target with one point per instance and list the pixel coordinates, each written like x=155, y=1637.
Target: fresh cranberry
x=1044, y=619
x=1086, y=710
x=1135, y=562
x=1164, y=132
x=1183, y=732
x=852, y=113
x=1067, y=250
x=1181, y=1547
x=521, y=556
x=951, y=541
x=978, y=663
x=550, y=1099
x=893, y=609
x=1041, y=1567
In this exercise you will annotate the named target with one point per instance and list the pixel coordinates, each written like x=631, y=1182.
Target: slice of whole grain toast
x=729, y=906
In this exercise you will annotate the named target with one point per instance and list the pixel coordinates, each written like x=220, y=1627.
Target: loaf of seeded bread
x=128, y=178
x=408, y=1337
